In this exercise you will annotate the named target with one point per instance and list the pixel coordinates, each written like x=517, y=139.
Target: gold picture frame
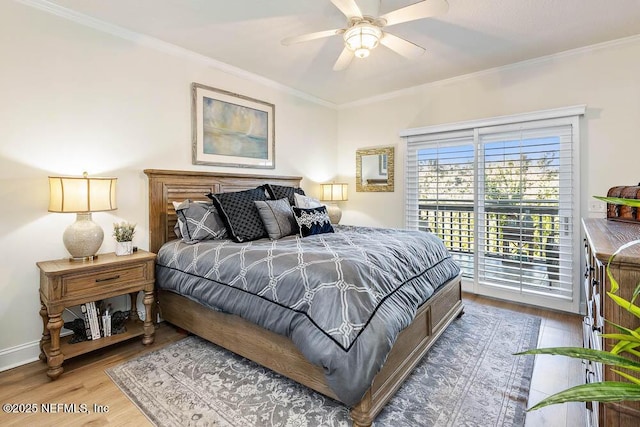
x=375, y=169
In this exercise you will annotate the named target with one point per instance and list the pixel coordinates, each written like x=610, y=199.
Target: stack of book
x=97, y=324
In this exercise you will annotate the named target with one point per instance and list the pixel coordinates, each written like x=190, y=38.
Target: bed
x=273, y=350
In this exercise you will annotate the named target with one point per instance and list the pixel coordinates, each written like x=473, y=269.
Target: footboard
x=412, y=344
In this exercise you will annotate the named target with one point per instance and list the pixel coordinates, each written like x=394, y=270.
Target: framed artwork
x=231, y=130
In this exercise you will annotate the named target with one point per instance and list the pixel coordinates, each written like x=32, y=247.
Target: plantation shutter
x=440, y=191
x=524, y=211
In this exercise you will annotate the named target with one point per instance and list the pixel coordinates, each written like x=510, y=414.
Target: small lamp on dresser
x=82, y=196
x=333, y=193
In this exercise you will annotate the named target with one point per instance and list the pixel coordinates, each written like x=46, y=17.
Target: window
x=502, y=194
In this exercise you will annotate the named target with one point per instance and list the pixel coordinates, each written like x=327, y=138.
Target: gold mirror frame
x=383, y=186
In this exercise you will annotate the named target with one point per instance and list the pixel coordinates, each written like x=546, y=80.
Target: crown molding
x=515, y=65
x=168, y=48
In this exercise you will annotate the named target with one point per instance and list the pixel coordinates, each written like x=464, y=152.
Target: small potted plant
x=123, y=233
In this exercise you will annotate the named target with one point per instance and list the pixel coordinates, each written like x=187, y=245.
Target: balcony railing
x=511, y=232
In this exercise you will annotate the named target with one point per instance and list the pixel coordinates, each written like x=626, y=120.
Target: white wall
x=606, y=79
x=75, y=99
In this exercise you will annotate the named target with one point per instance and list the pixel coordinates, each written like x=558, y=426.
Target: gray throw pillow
x=199, y=221
x=277, y=218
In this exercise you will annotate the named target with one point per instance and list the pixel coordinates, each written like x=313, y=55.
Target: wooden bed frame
x=271, y=350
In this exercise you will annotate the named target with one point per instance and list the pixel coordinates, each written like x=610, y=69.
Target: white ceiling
x=473, y=35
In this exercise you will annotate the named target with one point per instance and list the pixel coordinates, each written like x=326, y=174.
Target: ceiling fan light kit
x=361, y=38
x=364, y=33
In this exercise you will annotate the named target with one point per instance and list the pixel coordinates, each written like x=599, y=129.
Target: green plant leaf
x=632, y=308
x=627, y=376
x=612, y=280
x=621, y=328
x=635, y=333
x=636, y=292
x=588, y=354
x=608, y=391
x=621, y=337
x=634, y=203
x=624, y=346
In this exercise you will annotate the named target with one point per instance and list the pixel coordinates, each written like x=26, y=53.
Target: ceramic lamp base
x=334, y=212
x=83, y=238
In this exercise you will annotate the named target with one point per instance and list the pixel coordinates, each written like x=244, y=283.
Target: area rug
x=469, y=378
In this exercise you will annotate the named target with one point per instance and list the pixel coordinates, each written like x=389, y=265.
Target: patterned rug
x=469, y=378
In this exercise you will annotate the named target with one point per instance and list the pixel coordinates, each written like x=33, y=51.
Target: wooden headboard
x=168, y=186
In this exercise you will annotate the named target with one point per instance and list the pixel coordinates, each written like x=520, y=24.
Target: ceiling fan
x=364, y=32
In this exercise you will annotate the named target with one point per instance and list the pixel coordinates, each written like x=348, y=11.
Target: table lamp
x=334, y=193
x=82, y=196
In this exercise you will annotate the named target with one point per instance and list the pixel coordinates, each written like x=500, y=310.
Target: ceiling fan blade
x=348, y=7
x=401, y=46
x=423, y=9
x=311, y=36
x=343, y=60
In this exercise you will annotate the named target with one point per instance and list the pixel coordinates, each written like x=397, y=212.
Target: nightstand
x=65, y=283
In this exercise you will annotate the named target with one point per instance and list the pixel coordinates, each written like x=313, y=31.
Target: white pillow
x=306, y=202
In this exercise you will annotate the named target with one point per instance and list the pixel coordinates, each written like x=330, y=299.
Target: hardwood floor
x=84, y=380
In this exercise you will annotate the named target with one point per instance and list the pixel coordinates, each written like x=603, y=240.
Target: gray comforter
x=342, y=298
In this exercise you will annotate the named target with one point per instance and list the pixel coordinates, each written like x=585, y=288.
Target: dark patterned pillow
x=239, y=213
x=277, y=218
x=281, y=192
x=312, y=221
x=199, y=221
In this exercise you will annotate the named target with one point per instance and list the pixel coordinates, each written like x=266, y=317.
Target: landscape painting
x=231, y=129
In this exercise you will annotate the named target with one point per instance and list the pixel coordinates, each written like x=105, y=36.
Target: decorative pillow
x=277, y=218
x=312, y=221
x=306, y=202
x=277, y=192
x=199, y=221
x=240, y=214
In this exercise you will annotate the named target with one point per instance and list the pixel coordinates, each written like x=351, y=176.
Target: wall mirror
x=374, y=169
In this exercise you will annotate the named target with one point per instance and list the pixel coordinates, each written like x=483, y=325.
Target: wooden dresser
x=603, y=238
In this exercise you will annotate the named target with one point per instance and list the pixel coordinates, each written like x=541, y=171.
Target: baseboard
x=19, y=355
x=22, y=354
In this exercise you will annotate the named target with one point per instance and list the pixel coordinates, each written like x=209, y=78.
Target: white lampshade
x=82, y=195
x=361, y=38
x=334, y=192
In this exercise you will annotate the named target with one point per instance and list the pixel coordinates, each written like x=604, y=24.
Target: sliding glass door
x=503, y=200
